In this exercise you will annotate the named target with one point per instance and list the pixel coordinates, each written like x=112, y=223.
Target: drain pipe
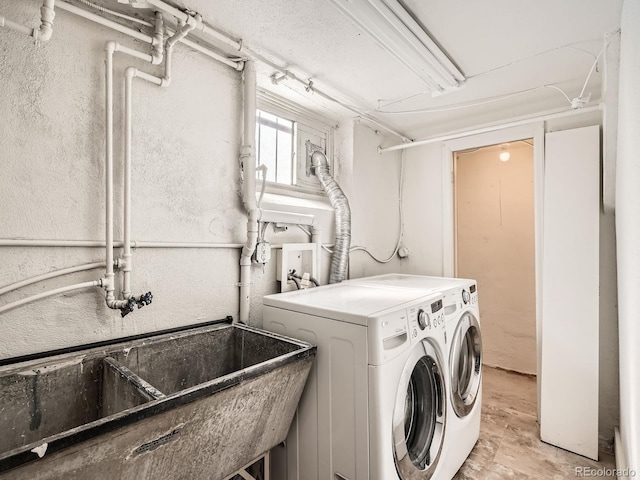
x=340, y=259
x=248, y=168
x=42, y=34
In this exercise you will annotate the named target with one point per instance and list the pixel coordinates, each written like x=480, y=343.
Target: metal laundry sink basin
x=198, y=403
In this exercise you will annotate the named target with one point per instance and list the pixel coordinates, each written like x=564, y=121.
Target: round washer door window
x=419, y=414
x=465, y=364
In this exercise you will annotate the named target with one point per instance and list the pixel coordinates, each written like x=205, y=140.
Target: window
x=275, y=146
x=282, y=130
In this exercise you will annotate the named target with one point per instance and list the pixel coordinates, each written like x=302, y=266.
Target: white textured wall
x=375, y=209
x=185, y=185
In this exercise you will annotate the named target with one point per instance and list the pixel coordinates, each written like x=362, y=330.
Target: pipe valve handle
x=128, y=308
x=145, y=299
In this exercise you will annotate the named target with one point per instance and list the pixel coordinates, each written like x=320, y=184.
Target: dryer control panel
x=469, y=295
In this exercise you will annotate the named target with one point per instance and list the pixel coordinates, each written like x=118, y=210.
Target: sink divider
x=122, y=389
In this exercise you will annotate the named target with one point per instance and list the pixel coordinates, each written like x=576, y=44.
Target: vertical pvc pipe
x=628, y=233
x=110, y=48
x=126, y=240
x=249, y=192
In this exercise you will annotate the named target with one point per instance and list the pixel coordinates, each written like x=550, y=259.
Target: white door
x=570, y=291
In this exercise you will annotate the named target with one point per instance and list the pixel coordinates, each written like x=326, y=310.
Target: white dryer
x=464, y=357
x=375, y=404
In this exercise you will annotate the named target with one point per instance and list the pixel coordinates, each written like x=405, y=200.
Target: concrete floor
x=509, y=446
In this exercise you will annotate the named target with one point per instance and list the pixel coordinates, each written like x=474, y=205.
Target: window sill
x=280, y=201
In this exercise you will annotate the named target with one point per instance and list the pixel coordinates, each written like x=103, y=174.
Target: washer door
x=465, y=364
x=419, y=414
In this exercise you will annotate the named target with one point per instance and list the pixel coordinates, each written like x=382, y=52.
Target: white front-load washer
x=464, y=358
x=375, y=403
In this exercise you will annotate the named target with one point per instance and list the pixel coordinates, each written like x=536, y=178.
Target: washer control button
x=423, y=320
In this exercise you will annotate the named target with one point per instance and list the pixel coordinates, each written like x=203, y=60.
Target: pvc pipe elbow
x=195, y=22
x=157, y=55
x=43, y=34
x=130, y=72
x=47, y=14
x=111, y=47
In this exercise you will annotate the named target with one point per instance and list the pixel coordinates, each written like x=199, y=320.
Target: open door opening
x=494, y=238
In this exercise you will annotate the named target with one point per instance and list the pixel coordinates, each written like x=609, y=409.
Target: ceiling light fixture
x=395, y=30
x=504, y=153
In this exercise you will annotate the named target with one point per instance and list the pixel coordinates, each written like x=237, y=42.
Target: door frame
x=536, y=132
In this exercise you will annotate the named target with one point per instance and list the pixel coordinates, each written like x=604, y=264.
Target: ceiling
x=502, y=47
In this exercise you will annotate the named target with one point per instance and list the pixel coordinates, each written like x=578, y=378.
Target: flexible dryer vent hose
x=340, y=259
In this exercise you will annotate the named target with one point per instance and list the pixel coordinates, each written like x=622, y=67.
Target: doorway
x=494, y=243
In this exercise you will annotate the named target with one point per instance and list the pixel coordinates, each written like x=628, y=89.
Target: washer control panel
x=425, y=317
x=392, y=332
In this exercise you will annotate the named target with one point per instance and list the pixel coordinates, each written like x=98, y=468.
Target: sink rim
x=59, y=441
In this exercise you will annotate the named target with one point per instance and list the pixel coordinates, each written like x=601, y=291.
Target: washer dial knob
x=423, y=319
x=465, y=297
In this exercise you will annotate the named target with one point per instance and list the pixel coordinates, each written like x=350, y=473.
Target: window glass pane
x=267, y=151
x=268, y=116
x=284, y=154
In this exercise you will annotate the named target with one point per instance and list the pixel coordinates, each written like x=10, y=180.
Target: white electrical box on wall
x=301, y=257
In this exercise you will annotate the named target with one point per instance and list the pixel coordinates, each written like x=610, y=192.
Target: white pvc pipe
x=102, y=244
x=50, y=293
x=628, y=234
x=109, y=282
x=211, y=54
x=126, y=237
x=46, y=276
x=249, y=192
x=147, y=38
x=184, y=17
x=492, y=128
x=16, y=27
x=105, y=22
x=147, y=57
x=185, y=245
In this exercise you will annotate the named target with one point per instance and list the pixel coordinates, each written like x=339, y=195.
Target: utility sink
x=200, y=403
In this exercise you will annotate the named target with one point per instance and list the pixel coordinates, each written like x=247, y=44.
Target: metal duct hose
x=340, y=259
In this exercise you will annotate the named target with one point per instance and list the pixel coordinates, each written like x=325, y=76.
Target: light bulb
x=505, y=156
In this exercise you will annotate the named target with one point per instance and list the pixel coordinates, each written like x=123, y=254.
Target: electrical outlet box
x=263, y=253
x=301, y=257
